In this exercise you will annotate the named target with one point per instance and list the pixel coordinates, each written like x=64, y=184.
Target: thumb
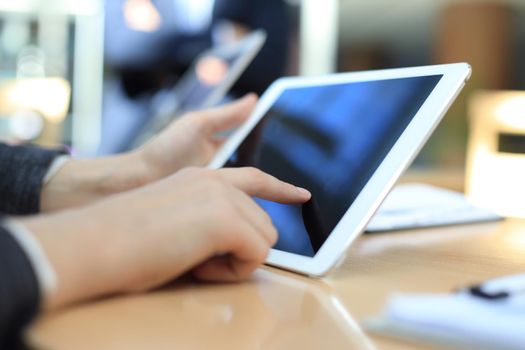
x=230, y=115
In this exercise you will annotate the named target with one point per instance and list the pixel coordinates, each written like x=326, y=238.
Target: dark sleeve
x=22, y=169
x=19, y=292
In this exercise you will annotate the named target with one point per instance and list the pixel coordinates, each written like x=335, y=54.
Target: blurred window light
x=31, y=62
x=76, y=7
x=319, y=36
x=141, y=15
x=53, y=39
x=511, y=112
x=26, y=125
x=15, y=35
x=496, y=152
x=48, y=96
x=70, y=34
x=16, y=6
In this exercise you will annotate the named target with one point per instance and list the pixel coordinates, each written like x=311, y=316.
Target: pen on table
x=501, y=288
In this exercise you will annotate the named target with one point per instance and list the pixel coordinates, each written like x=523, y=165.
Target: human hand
x=198, y=220
x=193, y=139
x=190, y=141
x=229, y=32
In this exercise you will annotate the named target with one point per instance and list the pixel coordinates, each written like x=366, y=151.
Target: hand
x=200, y=220
x=190, y=141
x=229, y=32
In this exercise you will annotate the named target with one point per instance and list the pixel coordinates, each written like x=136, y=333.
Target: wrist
x=81, y=251
x=121, y=173
x=139, y=170
x=67, y=249
x=83, y=181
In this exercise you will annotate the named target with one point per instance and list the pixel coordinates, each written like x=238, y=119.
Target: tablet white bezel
x=408, y=145
x=252, y=44
x=249, y=47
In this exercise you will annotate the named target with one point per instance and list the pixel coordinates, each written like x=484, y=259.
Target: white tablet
x=345, y=137
x=214, y=72
x=205, y=83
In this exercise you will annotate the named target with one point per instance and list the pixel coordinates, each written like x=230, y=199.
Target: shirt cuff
x=57, y=164
x=44, y=271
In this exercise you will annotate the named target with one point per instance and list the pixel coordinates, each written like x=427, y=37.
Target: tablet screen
x=202, y=80
x=329, y=139
x=217, y=68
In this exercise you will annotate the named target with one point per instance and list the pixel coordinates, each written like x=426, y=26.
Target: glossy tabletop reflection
x=281, y=310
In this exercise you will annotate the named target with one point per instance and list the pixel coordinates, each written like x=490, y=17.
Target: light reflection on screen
x=330, y=140
x=209, y=73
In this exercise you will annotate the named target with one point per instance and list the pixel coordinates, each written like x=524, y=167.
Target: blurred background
x=89, y=74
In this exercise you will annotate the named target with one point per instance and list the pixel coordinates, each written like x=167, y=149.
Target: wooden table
x=281, y=310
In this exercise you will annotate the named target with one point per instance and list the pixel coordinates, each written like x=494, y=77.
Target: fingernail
x=249, y=95
x=304, y=192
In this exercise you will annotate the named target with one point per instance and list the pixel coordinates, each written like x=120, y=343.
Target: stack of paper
x=419, y=205
x=458, y=320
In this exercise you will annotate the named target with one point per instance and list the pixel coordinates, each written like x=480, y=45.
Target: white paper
x=419, y=205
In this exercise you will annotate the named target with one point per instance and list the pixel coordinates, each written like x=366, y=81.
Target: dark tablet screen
x=329, y=139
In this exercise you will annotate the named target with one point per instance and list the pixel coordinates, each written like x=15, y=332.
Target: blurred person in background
x=130, y=222
x=150, y=43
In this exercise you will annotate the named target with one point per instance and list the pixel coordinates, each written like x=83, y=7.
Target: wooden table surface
x=281, y=310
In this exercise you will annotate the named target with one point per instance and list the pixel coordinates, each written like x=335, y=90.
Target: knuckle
x=262, y=254
x=215, y=193
x=201, y=174
x=267, y=218
x=197, y=119
x=257, y=178
x=189, y=172
x=228, y=232
x=253, y=172
x=210, y=175
x=273, y=235
x=225, y=208
x=219, y=187
x=193, y=123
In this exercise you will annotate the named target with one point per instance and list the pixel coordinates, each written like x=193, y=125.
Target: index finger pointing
x=256, y=183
